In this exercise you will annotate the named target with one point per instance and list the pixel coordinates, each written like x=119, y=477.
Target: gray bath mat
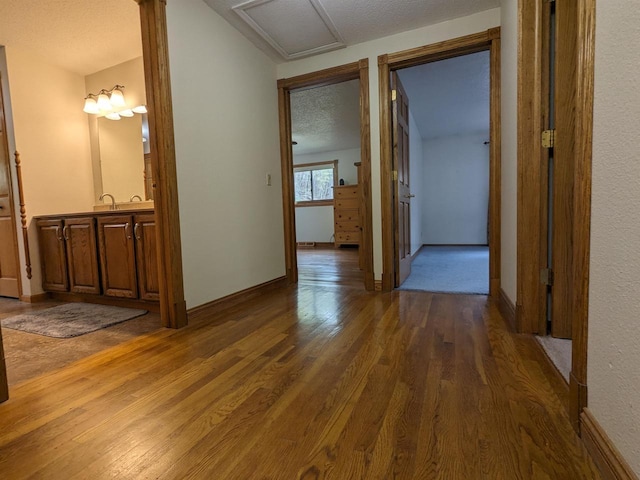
x=71, y=319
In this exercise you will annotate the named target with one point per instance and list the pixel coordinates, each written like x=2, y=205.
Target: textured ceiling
x=326, y=118
x=83, y=36
x=358, y=21
x=449, y=97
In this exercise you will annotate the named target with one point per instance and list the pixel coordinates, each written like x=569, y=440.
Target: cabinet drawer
x=350, y=191
x=341, y=203
x=346, y=215
x=351, y=238
x=347, y=226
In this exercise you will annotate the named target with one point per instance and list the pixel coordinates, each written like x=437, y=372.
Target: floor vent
x=306, y=244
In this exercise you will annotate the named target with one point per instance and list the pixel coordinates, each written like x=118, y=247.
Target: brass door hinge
x=546, y=277
x=393, y=95
x=395, y=175
x=548, y=138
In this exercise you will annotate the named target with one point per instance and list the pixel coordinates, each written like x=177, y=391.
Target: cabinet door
x=146, y=259
x=82, y=255
x=117, y=256
x=52, y=256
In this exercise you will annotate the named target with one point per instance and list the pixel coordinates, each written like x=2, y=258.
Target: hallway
x=305, y=382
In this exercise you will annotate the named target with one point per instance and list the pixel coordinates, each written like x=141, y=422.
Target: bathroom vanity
x=101, y=257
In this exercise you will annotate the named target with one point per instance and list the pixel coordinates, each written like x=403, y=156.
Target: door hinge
x=393, y=95
x=395, y=175
x=548, y=138
x=546, y=277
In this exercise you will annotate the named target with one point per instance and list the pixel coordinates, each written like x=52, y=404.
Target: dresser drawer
x=347, y=226
x=348, y=238
x=344, y=203
x=348, y=191
x=347, y=215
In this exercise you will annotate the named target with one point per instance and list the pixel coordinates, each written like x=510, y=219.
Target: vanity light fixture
x=105, y=100
x=112, y=116
x=140, y=109
x=126, y=113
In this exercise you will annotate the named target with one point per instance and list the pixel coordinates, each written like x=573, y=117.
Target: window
x=313, y=183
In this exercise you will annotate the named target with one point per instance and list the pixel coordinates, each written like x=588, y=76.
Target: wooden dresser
x=346, y=215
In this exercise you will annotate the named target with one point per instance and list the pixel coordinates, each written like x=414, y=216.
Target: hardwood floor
x=306, y=382
x=329, y=267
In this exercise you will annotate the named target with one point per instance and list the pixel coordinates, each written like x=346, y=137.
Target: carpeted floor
x=559, y=351
x=450, y=270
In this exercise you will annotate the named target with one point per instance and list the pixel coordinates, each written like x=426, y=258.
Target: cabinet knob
x=136, y=230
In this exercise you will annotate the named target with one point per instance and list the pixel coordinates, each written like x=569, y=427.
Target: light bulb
x=90, y=105
x=117, y=98
x=103, y=103
x=140, y=109
x=112, y=116
x=126, y=113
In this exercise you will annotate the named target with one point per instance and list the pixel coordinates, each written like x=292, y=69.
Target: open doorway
x=400, y=189
x=448, y=119
x=342, y=223
x=325, y=132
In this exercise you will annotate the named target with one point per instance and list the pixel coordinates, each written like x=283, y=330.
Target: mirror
x=124, y=157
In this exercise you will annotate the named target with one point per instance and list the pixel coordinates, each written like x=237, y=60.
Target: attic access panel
x=295, y=28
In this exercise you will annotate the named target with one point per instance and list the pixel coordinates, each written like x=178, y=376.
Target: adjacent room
x=325, y=127
x=449, y=174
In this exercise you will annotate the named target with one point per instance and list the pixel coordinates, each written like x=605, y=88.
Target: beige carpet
x=559, y=351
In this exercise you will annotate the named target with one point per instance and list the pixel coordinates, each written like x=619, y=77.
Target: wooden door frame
x=531, y=100
x=153, y=22
x=478, y=42
x=330, y=76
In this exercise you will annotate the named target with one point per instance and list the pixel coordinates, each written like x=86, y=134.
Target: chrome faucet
x=113, y=200
x=135, y=196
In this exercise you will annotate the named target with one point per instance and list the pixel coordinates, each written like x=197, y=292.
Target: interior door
x=563, y=163
x=9, y=264
x=402, y=193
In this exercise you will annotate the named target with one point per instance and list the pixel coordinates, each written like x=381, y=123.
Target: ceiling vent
x=295, y=28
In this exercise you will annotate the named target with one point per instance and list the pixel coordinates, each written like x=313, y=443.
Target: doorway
x=397, y=195
x=448, y=148
x=344, y=219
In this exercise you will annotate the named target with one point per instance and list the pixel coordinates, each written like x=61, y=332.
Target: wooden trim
x=377, y=285
x=316, y=164
x=288, y=194
x=314, y=203
x=40, y=297
x=104, y=300
x=4, y=383
x=357, y=70
x=482, y=41
x=330, y=245
x=321, y=78
x=605, y=455
x=153, y=21
x=531, y=158
x=582, y=204
x=216, y=306
x=551, y=368
x=495, y=169
x=23, y=216
x=507, y=309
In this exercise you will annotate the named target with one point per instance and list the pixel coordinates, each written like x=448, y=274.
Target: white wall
x=456, y=190
x=315, y=224
x=226, y=133
x=47, y=126
x=614, y=290
x=416, y=183
x=421, y=36
x=509, y=126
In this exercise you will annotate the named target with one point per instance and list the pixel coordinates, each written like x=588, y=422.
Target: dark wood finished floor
x=306, y=382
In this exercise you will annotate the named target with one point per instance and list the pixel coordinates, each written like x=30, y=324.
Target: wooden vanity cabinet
x=53, y=257
x=68, y=255
x=144, y=231
x=117, y=256
x=82, y=256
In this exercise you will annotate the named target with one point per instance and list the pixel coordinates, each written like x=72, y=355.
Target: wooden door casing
x=146, y=256
x=563, y=171
x=117, y=256
x=53, y=258
x=82, y=256
x=402, y=192
x=9, y=257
